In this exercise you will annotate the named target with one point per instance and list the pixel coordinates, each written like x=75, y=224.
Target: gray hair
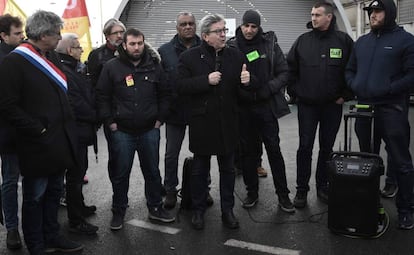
x=184, y=13
x=208, y=20
x=67, y=41
x=110, y=24
x=42, y=23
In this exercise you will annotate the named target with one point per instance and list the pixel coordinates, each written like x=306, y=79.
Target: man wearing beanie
x=317, y=62
x=261, y=107
x=380, y=72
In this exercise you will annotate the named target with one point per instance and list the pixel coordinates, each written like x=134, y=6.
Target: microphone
x=218, y=63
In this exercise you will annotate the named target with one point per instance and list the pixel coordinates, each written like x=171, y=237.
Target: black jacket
x=213, y=125
x=270, y=70
x=96, y=60
x=178, y=112
x=317, y=62
x=32, y=102
x=7, y=132
x=134, y=97
x=82, y=99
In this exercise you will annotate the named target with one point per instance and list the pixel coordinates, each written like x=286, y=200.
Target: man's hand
x=245, y=76
x=157, y=124
x=113, y=127
x=214, y=78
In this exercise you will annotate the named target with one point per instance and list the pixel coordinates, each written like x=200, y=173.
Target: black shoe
x=285, y=204
x=160, y=214
x=210, y=200
x=197, y=220
x=250, y=201
x=117, y=219
x=405, y=221
x=229, y=220
x=389, y=191
x=83, y=228
x=300, y=199
x=170, y=200
x=88, y=211
x=322, y=194
x=13, y=239
x=63, y=245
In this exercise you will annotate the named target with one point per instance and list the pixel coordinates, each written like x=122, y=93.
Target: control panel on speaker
x=349, y=166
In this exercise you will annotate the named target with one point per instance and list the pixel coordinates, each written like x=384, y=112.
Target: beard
x=133, y=57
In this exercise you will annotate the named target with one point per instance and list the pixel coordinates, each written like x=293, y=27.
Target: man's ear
x=3, y=36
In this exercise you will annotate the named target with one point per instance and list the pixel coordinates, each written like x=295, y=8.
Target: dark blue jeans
x=10, y=174
x=199, y=181
x=258, y=124
x=41, y=197
x=391, y=122
x=329, y=117
x=123, y=149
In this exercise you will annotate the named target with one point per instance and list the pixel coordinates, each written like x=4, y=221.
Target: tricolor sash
x=28, y=52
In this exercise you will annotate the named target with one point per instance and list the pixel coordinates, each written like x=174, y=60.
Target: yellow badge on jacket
x=129, y=80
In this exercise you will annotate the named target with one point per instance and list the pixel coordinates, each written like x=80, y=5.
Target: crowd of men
x=230, y=93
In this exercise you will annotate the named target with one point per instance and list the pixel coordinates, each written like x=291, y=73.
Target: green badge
x=252, y=56
x=335, y=53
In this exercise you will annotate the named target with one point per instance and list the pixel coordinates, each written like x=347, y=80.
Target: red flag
x=9, y=6
x=77, y=21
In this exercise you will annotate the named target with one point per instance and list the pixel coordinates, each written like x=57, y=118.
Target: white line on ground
x=150, y=226
x=260, y=247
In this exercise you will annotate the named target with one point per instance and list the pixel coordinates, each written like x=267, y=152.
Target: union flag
x=76, y=20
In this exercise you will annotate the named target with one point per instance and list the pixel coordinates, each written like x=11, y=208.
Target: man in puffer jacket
x=380, y=72
x=132, y=101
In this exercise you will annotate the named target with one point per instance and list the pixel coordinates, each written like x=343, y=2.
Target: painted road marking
x=155, y=227
x=260, y=247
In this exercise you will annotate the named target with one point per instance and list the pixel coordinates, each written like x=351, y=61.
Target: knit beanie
x=251, y=16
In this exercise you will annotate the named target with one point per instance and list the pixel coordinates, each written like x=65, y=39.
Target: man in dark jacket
x=82, y=100
x=317, y=63
x=113, y=31
x=212, y=74
x=33, y=98
x=132, y=102
x=380, y=72
x=178, y=111
x=11, y=32
x=261, y=107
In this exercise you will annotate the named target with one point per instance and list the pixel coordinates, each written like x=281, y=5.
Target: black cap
x=377, y=5
x=251, y=16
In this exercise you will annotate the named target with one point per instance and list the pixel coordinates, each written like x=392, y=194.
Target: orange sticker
x=129, y=80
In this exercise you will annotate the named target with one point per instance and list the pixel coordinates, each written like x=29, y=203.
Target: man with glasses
x=33, y=98
x=113, y=31
x=261, y=107
x=11, y=32
x=178, y=114
x=212, y=75
x=82, y=100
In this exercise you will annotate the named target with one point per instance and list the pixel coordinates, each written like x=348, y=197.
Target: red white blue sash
x=28, y=52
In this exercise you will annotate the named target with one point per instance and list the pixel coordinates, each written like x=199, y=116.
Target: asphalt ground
x=264, y=229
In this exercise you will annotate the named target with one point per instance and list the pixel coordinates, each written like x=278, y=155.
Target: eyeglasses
x=117, y=33
x=184, y=24
x=219, y=31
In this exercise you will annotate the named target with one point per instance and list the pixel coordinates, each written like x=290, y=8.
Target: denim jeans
x=40, y=211
x=174, y=136
x=10, y=174
x=329, y=117
x=199, y=182
x=123, y=149
x=391, y=122
x=256, y=125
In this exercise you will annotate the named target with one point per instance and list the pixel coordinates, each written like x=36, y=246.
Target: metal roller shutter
x=156, y=18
